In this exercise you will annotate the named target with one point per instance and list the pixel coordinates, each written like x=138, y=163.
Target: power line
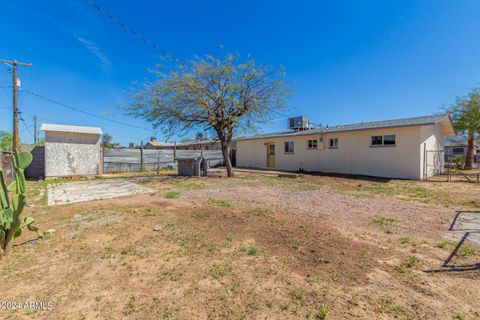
x=23, y=121
x=84, y=112
x=136, y=34
x=57, y=122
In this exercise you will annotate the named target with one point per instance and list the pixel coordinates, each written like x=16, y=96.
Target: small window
x=312, y=144
x=334, y=143
x=377, y=140
x=389, y=139
x=457, y=151
x=271, y=149
x=386, y=140
x=288, y=146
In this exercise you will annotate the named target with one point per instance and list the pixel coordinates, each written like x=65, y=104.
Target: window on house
x=389, y=139
x=457, y=151
x=288, y=146
x=377, y=140
x=312, y=144
x=334, y=143
x=385, y=140
x=271, y=149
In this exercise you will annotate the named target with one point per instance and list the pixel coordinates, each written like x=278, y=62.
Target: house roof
x=460, y=141
x=71, y=129
x=404, y=122
x=180, y=144
x=156, y=143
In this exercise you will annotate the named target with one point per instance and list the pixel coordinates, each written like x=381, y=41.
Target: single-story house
x=410, y=148
x=457, y=146
x=187, y=145
x=155, y=144
x=72, y=150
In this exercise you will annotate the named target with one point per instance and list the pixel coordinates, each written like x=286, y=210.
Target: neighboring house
x=458, y=146
x=154, y=144
x=409, y=148
x=71, y=150
x=188, y=145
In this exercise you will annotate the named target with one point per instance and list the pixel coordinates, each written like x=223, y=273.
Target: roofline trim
x=306, y=132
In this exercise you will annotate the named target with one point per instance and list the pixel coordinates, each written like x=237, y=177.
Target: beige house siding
x=355, y=154
x=432, y=146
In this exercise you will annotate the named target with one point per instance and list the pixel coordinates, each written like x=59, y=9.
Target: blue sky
x=349, y=61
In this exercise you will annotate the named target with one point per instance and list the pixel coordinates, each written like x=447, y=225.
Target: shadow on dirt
x=472, y=229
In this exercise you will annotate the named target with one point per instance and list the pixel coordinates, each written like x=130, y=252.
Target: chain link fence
x=131, y=160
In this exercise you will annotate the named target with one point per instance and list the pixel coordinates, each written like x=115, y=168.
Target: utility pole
x=14, y=64
x=35, y=129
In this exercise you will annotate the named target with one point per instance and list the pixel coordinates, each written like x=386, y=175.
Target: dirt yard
x=253, y=247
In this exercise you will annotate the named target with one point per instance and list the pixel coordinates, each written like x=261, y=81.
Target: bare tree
x=225, y=94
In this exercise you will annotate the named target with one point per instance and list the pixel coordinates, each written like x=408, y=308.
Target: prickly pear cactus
x=12, y=202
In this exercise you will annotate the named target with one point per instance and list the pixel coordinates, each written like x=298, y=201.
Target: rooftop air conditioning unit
x=199, y=136
x=298, y=123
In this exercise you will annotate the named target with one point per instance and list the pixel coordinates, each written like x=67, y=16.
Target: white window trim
x=289, y=152
x=312, y=148
x=332, y=147
x=383, y=145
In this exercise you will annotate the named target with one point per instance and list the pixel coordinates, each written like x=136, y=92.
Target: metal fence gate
x=438, y=167
x=433, y=163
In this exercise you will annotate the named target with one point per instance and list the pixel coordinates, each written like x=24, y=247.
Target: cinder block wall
x=36, y=169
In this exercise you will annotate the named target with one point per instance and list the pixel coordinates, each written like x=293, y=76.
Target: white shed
x=410, y=148
x=72, y=150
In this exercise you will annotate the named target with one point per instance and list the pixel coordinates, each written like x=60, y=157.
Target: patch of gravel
x=341, y=208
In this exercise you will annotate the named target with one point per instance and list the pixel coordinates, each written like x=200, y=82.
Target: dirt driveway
x=253, y=247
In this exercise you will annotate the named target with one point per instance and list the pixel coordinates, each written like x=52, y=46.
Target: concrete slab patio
x=465, y=225
x=71, y=192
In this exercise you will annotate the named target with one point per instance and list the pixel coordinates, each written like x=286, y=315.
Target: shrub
x=458, y=161
x=251, y=250
x=296, y=244
x=322, y=312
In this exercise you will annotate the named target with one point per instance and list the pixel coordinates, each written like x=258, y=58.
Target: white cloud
x=95, y=50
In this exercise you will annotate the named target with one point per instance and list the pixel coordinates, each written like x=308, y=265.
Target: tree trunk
x=469, y=156
x=226, y=157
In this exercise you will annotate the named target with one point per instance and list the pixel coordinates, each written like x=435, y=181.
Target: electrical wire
x=24, y=123
x=136, y=34
x=84, y=112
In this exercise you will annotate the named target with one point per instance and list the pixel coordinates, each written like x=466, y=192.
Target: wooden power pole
x=14, y=63
x=35, y=129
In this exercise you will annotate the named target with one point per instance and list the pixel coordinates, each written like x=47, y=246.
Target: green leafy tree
x=224, y=94
x=5, y=140
x=107, y=140
x=466, y=117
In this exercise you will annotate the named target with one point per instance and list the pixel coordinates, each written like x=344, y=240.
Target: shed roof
x=404, y=122
x=72, y=129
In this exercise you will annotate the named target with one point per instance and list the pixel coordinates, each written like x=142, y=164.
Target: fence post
x=102, y=159
x=425, y=161
x=141, y=157
x=158, y=163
